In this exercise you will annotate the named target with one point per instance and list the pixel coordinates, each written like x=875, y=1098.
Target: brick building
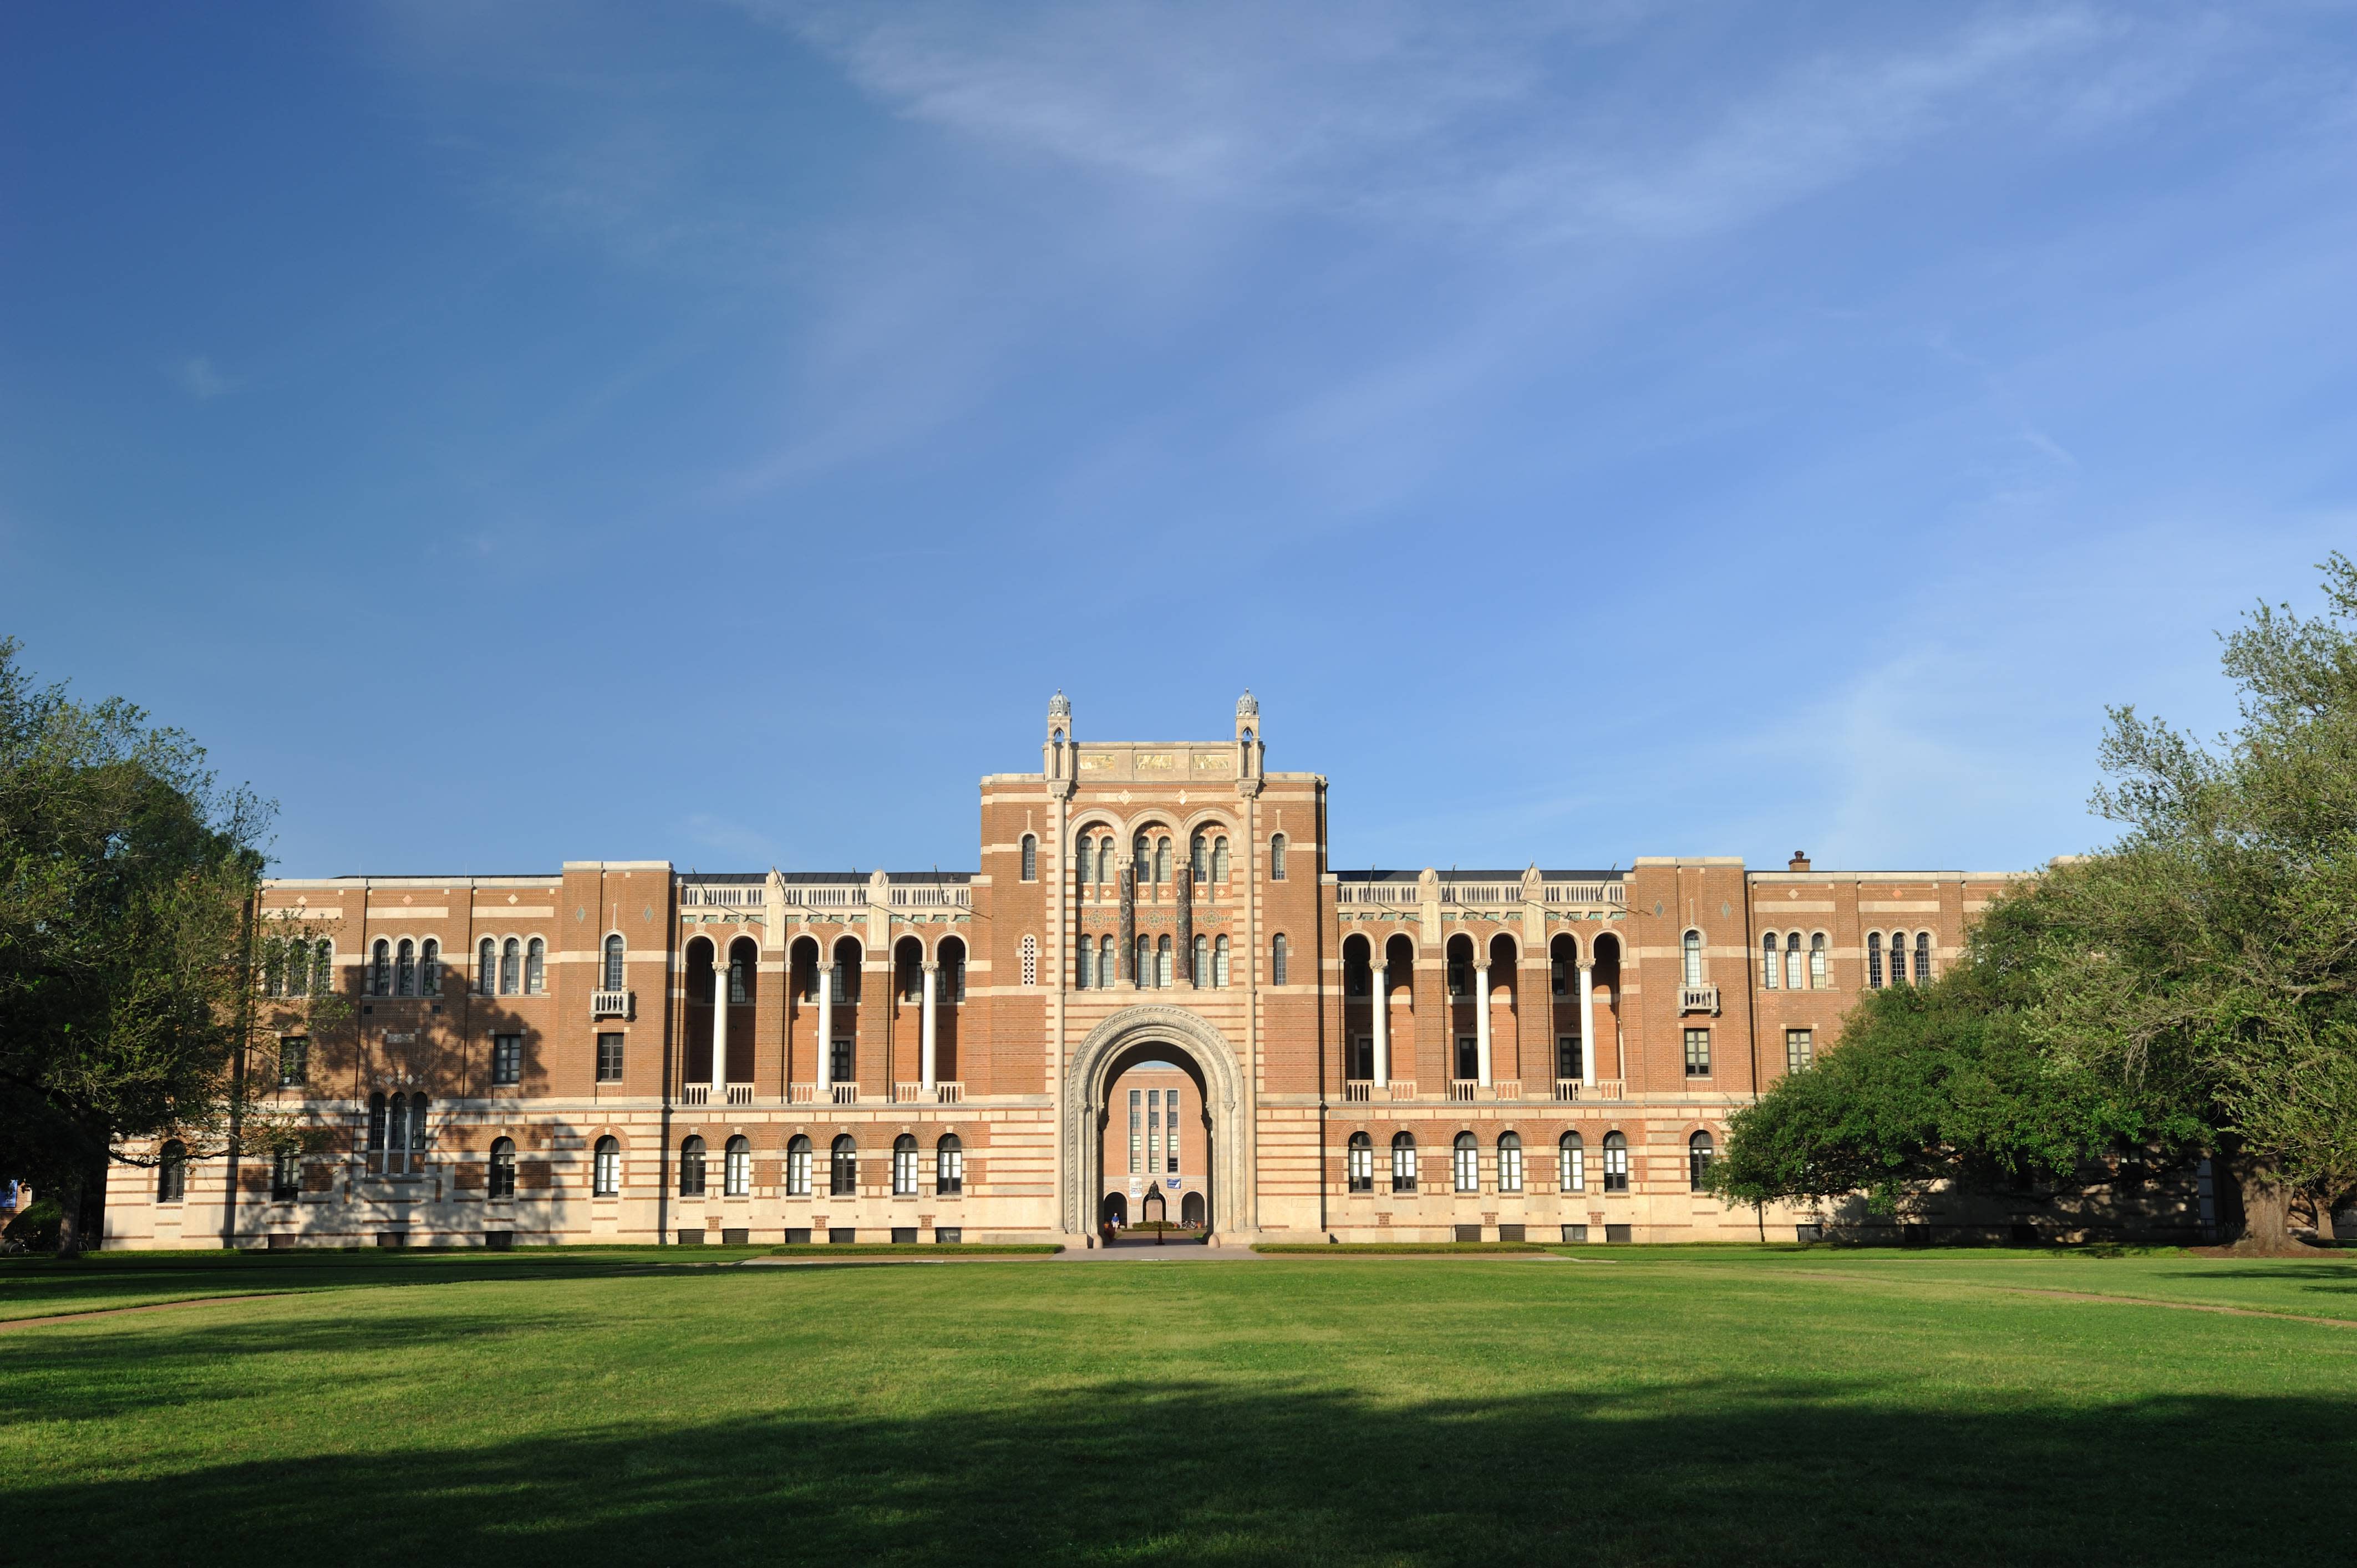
x=616, y=1051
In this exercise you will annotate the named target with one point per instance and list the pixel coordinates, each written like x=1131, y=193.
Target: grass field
x=1729, y=1406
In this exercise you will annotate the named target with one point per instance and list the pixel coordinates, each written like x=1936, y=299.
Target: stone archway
x=1088, y=1076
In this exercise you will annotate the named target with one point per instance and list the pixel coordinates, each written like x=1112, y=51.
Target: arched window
x=1088, y=849
x=1141, y=858
x=429, y=968
x=1817, y=962
x=376, y=1130
x=404, y=969
x=1922, y=958
x=1105, y=963
x=1770, y=970
x=1104, y=858
x=1202, y=960
x=1698, y=1152
x=1276, y=960
x=1874, y=959
x=691, y=1168
x=1030, y=952
x=1792, y=980
x=1161, y=860
x=904, y=1166
x=1692, y=945
x=1219, y=962
x=1468, y=1163
x=172, y=1172
x=285, y=1176
x=606, y=1178
x=380, y=969
x=1199, y=857
x=798, y=1166
x=535, y=968
x=842, y=1169
x=949, y=1166
x=1277, y=858
x=1031, y=857
x=501, y=1180
x=1509, y=1162
x=1162, y=961
x=274, y=967
x=1144, y=973
x=323, y=968
x=1086, y=966
x=1403, y=1162
x=1220, y=858
x=1571, y=1162
x=510, y=966
x=737, y=1171
x=1616, y=1162
x=615, y=948
x=1360, y=1163
x=487, y=967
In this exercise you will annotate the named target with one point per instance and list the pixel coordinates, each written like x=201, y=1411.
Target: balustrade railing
x=1358, y=1090
x=1587, y=893
x=1386, y=893
x=943, y=1092
x=1698, y=999
x=847, y=1094
x=612, y=1004
x=802, y=1094
x=1402, y=1088
x=1609, y=1089
x=932, y=897
x=1508, y=1089
x=734, y=896
x=1567, y=1089
x=1463, y=1087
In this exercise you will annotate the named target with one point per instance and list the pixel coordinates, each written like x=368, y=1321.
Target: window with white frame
x=606, y=1178
x=1922, y=958
x=1698, y=1053
x=1792, y=980
x=486, y=967
x=510, y=966
x=842, y=1169
x=507, y=1058
x=616, y=950
x=1690, y=948
x=1699, y=1149
x=1874, y=961
x=904, y=1166
x=691, y=1168
x=535, y=967
x=1468, y=1163
x=736, y=1169
x=1360, y=1163
x=1220, y=859
x=405, y=968
x=798, y=1166
x=1571, y=1162
x=1276, y=960
x=1220, y=962
x=1818, y=978
x=1136, y=1130
x=949, y=1166
x=1403, y=1162
x=1509, y=1162
x=1277, y=858
x=1030, y=858
x=1616, y=1162
x=1202, y=965
x=380, y=969
x=1800, y=1049
x=1770, y=971
x=500, y=1179
x=610, y=1058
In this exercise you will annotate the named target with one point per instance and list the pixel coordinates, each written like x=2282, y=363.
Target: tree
x=129, y=942
x=2193, y=986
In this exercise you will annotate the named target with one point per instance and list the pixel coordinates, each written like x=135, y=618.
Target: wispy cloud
x=197, y=378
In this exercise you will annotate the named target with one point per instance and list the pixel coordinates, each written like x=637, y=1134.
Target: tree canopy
x=2193, y=985
x=127, y=878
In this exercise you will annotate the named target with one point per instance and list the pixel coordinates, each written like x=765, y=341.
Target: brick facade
x=1689, y=1018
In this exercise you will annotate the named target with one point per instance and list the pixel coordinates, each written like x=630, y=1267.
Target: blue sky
x=514, y=434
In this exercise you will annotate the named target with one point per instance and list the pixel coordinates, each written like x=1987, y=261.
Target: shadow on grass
x=2335, y=1277
x=1173, y=1473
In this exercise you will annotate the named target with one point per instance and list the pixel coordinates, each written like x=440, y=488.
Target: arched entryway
x=1143, y=1034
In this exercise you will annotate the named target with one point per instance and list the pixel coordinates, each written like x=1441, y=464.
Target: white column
x=826, y=1024
x=1382, y=1025
x=1482, y=1019
x=1587, y=1025
x=925, y=1032
x=719, y=1027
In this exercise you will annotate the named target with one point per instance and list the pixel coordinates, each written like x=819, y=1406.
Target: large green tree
x=2192, y=985
x=127, y=942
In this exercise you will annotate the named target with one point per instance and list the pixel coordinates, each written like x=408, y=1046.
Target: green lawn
x=1634, y=1405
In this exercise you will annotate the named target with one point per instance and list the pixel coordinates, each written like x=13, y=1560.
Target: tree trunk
x=2324, y=1218
x=2266, y=1206
x=82, y=1213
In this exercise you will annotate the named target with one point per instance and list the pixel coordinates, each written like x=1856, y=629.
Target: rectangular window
x=1567, y=1056
x=1469, y=1056
x=293, y=1059
x=1170, y=1126
x=1362, y=1058
x=1698, y=1053
x=609, y=1058
x=1800, y=1049
x=507, y=1058
x=840, y=1066
x=1460, y=978
x=1136, y=1133
x=1153, y=1130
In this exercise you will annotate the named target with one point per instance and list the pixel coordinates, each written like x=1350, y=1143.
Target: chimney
x=1800, y=861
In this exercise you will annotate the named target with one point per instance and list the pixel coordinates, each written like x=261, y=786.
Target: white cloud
x=200, y=379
